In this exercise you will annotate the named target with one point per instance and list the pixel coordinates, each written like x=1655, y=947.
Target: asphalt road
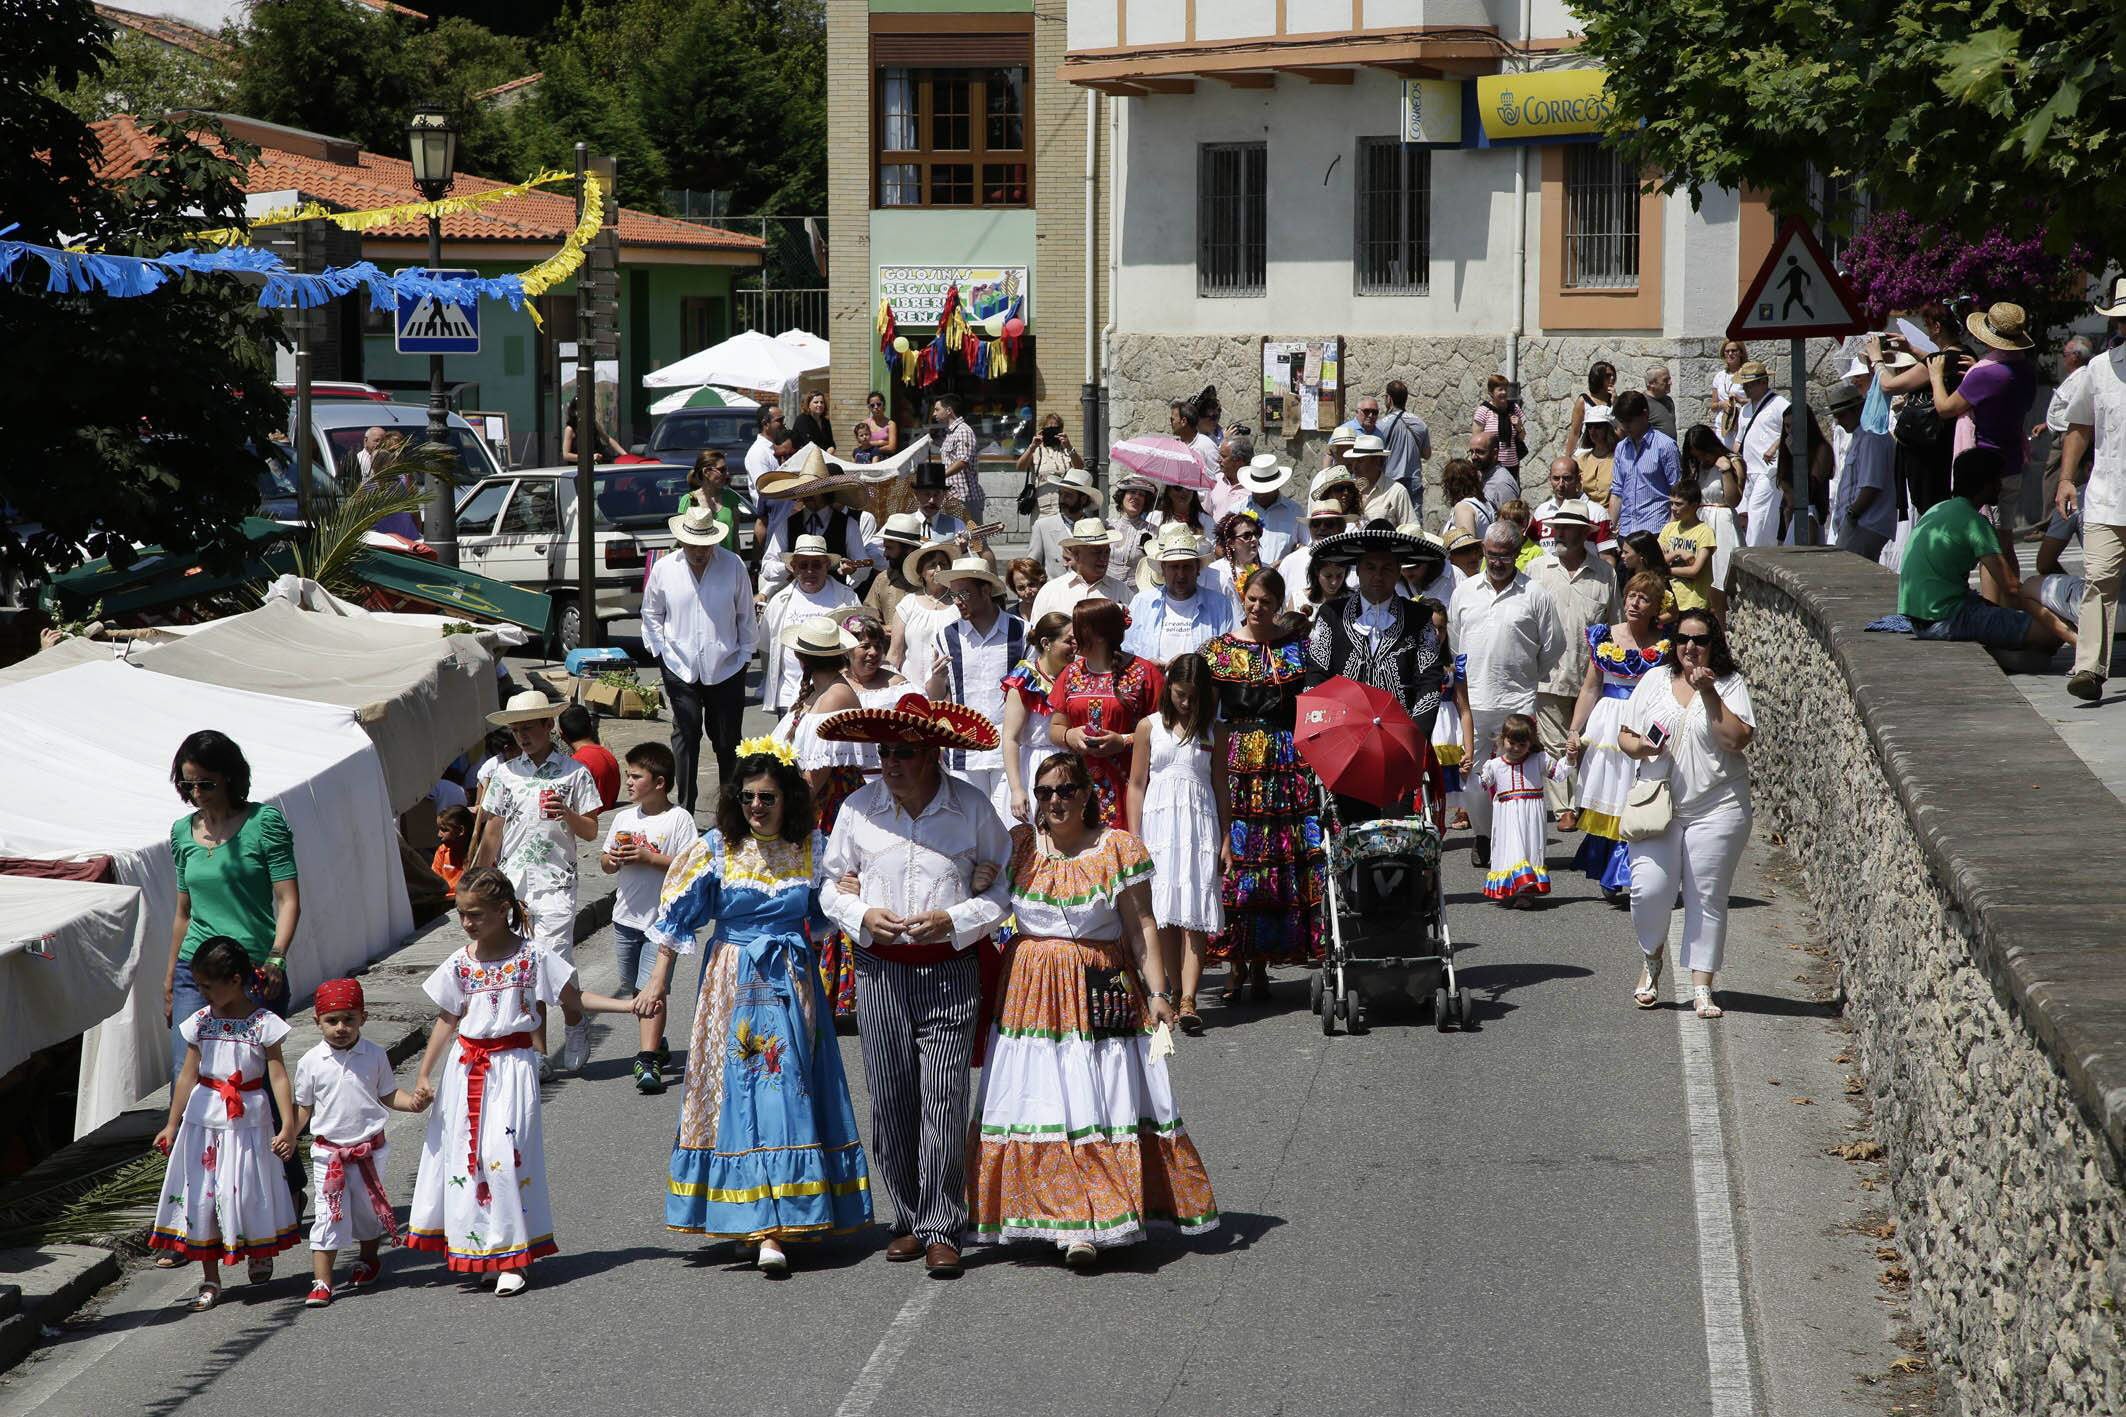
x=1498, y=1222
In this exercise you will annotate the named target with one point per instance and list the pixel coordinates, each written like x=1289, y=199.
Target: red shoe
x=320, y=1295
x=364, y=1274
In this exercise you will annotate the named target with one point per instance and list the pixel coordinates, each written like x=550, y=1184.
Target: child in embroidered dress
x=343, y=1089
x=1514, y=779
x=224, y=1195
x=480, y=1196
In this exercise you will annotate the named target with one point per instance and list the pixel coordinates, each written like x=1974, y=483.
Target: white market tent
x=750, y=361
x=88, y=773
x=67, y=958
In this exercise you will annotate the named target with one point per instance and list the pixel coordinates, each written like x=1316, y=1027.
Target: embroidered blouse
x=1075, y=897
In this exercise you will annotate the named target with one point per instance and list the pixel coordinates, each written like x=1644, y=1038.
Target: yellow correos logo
x=1538, y=105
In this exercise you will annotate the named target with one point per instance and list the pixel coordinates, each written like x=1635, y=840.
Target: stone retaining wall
x=1966, y=867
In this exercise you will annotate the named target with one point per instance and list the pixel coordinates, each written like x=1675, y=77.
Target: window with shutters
x=1394, y=219
x=954, y=137
x=1232, y=205
x=1601, y=220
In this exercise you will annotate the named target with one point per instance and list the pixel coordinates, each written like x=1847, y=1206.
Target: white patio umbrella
x=748, y=360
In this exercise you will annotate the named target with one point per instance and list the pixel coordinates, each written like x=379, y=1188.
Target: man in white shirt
x=811, y=593
x=1763, y=456
x=1506, y=637
x=1176, y=616
x=760, y=455
x=974, y=654
x=1088, y=548
x=1565, y=486
x=697, y=618
x=1583, y=591
x=1282, y=525
x=2076, y=352
x=1385, y=501
x=913, y=840
x=2096, y=418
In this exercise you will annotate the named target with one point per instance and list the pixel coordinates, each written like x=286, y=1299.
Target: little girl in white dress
x=1178, y=808
x=1519, y=824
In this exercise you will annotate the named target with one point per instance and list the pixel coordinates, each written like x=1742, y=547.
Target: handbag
x=1647, y=811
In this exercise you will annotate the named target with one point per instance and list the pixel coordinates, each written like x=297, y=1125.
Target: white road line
x=57, y=1368
x=1727, y=1351
x=900, y=1334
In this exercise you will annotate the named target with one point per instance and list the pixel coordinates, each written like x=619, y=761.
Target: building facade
x=1413, y=188
x=960, y=157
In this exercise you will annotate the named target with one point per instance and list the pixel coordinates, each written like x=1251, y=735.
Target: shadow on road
x=1739, y=1001
x=1237, y=1231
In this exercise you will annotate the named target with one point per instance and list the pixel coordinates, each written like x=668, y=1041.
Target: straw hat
x=807, y=545
x=915, y=719
x=912, y=563
x=903, y=527
x=972, y=568
x=1343, y=437
x=1264, y=474
x=1091, y=531
x=697, y=526
x=2002, y=325
x=1749, y=371
x=1366, y=445
x=2117, y=307
x=1845, y=396
x=1574, y=511
x=528, y=706
x=1454, y=539
x=1076, y=479
x=1328, y=477
x=1319, y=510
x=819, y=637
x=810, y=478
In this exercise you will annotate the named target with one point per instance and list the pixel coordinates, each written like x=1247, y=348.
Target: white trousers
x=1483, y=747
x=1697, y=855
x=553, y=921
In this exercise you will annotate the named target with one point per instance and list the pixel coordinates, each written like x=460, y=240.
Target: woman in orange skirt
x=1077, y=1141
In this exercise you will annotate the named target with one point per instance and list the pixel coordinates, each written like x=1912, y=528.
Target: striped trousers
x=916, y=1024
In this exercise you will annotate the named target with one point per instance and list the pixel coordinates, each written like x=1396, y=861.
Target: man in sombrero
x=1377, y=636
x=826, y=504
x=913, y=840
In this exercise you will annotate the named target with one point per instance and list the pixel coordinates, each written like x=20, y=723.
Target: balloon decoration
x=984, y=358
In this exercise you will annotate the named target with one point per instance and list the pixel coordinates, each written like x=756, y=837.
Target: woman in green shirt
x=711, y=484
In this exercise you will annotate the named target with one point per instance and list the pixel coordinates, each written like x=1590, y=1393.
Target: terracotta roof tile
x=512, y=86
x=547, y=215
x=175, y=33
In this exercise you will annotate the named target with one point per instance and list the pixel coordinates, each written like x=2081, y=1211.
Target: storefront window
x=953, y=137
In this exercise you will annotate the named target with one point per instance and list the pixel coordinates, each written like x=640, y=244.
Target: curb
x=45, y=1286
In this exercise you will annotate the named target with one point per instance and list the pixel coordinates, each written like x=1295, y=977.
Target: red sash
x=232, y=1090
x=362, y=1156
x=475, y=1053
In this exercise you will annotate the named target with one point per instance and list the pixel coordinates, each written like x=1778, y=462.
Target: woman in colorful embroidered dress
x=480, y=1195
x=1099, y=698
x=1618, y=656
x=767, y=1149
x=1273, y=855
x=1079, y=1143
x=1050, y=647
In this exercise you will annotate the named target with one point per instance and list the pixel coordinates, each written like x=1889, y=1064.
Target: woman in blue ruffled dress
x=767, y=1149
x=1618, y=656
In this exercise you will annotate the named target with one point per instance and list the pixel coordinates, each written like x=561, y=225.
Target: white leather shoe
x=576, y=1047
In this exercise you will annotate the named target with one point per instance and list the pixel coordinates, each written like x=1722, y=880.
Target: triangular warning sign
x=1798, y=293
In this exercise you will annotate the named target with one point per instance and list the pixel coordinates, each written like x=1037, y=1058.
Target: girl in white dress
x=480, y=1196
x=913, y=648
x=1178, y=806
x=1519, y=824
x=224, y=1195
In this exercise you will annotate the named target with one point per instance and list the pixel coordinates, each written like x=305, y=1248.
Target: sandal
x=204, y=1299
x=1187, y=1019
x=1648, y=994
x=1236, y=980
x=1702, y=1002
x=1460, y=822
x=166, y=1260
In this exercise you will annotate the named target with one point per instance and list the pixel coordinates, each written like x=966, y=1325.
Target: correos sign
x=1558, y=103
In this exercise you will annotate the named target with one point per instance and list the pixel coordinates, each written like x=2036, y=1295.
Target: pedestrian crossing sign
x=1798, y=293
x=426, y=325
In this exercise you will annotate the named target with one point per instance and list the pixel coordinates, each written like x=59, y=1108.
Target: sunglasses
x=1688, y=639
x=760, y=799
x=1061, y=789
x=901, y=754
x=187, y=786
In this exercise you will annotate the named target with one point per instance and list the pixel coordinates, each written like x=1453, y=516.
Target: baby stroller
x=1387, y=936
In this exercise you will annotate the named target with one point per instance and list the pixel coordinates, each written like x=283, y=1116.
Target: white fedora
x=971, y=568
x=1264, y=474
x=1091, y=531
x=697, y=526
x=807, y=545
x=526, y=707
x=818, y=636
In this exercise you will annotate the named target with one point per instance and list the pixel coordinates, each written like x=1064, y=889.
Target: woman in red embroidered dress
x=1097, y=701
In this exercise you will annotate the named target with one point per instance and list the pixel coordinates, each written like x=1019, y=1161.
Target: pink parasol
x=1163, y=458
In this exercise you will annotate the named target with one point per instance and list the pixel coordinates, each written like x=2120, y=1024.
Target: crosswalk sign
x=1798, y=293
x=426, y=325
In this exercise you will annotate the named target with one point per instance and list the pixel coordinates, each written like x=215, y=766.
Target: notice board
x=1302, y=385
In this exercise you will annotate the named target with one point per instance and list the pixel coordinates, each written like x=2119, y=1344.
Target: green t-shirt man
x=231, y=885
x=1950, y=539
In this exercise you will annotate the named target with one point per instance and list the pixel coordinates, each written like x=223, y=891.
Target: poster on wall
x=1301, y=386
x=986, y=292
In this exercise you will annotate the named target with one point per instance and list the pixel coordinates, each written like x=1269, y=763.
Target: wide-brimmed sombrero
x=526, y=706
x=1347, y=546
x=811, y=477
x=916, y=720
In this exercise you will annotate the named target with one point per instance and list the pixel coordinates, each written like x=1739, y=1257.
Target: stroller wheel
x=1354, y=1016
x=1442, y=1011
x=1325, y=1004
x=1314, y=990
x=1464, y=1010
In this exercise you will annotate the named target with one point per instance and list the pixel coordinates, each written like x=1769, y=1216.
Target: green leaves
x=1977, y=69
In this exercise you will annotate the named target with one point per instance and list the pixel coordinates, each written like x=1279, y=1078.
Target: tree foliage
x=1970, y=114
x=147, y=76
x=569, y=105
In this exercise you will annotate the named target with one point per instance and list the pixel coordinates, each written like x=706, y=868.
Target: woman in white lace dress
x=1177, y=806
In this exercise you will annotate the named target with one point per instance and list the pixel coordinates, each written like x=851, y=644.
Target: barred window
x=1231, y=211
x=1394, y=224
x=1601, y=220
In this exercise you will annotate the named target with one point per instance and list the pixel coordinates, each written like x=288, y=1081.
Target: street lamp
x=432, y=141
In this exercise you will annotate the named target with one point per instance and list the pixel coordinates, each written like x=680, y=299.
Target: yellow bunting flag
x=381, y=216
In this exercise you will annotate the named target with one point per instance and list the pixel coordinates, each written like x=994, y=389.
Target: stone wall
x=1446, y=377
x=1964, y=866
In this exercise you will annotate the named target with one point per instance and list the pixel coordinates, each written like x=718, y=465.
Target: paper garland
x=381, y=216
x=984, y=358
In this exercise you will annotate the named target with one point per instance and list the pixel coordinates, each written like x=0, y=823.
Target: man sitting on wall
x=1952, y=537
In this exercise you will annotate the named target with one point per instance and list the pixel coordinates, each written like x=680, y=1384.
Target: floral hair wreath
x=768, y=746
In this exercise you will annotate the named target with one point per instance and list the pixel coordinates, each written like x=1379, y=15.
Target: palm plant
x=333, y=547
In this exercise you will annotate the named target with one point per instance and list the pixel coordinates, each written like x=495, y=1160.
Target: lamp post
x=432, y=140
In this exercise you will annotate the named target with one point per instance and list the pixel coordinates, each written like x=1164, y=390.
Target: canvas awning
x=67, y=958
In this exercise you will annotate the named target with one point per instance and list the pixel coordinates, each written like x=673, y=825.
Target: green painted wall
x=943, y=237
x=506, y=368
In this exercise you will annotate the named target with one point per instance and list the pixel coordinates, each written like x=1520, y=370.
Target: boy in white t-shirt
x=645, y=836
x=343, y=1089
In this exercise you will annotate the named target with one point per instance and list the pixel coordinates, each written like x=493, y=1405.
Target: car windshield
x=639, y=497
x=702, y=428
x=345, y=443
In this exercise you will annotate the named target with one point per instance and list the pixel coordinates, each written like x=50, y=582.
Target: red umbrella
x=1163, y=459
x=1360, y=741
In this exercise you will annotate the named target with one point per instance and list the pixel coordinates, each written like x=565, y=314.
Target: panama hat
x=526, y=707
x=1343, y=437
x=972, y=568
x=818, y=636
x=1599, y=416
x=1845, y=396
x=1322, y=510
x=2002, y=325
x=807, y=545
x=1075, y=479
x=1347, y=546
x=1264, y=474
x=1894, y=359
x=697, y=526
x=1328, y=477
x=1574, y=511
x=1091, y=531
x=912, y=563
x=904, y=527
x=2117, y=307
x=915, y=719
x=1454, y=539
x=1751, y=369
x=1366, y=445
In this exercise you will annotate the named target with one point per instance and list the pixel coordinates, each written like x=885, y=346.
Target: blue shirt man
x=1648, y=464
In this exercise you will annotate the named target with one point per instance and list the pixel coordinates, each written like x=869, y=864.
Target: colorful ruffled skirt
x=837, y=954
x=1076, y=1136
x=1272, y=892
x=1606, y=778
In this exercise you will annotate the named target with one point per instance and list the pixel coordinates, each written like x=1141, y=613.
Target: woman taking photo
x=1050, y=647
x=767, y=1149
x=1689, y=728
x=1098, y=699
x=1084, y=985
x=1618, y=657
x=1271, y=866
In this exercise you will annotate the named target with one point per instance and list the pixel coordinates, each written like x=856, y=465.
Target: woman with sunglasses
x=1690, y=727
x=880, y=431
x=1239, y=555
x=767, y=1149
x=1080, y=1144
